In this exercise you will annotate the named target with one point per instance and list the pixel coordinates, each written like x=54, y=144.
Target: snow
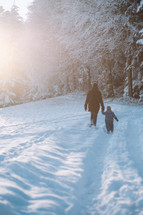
x=141, y=31
x=140, y=6
x=140, y=41
x=52, y=162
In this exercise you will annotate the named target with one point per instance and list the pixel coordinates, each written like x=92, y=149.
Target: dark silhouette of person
x=93, y=102
x=109, y=116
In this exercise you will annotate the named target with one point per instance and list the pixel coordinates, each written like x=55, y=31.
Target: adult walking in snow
x=93, y=102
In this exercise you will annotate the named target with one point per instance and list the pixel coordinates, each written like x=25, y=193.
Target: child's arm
x=115, y=117
x=103, y=112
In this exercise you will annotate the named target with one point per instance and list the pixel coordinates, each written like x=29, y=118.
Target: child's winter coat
x=109, y=116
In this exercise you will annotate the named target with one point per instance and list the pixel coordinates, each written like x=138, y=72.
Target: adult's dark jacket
x=94, y=100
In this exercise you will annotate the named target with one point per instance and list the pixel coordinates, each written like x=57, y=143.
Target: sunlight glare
x=7, y=56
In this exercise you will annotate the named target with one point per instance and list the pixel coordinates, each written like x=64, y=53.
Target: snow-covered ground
x=52, y=162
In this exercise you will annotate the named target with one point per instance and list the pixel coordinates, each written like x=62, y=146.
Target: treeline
x=68, y=45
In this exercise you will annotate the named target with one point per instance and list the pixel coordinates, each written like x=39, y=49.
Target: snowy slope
x=52, y=162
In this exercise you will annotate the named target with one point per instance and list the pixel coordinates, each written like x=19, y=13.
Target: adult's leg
x=95, y=118
x=92, y=118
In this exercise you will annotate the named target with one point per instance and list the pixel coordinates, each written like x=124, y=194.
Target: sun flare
x=7, y=56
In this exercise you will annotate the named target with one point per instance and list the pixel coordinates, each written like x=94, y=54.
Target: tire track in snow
x=88, y=187
x=135, y=143
x=121, y=186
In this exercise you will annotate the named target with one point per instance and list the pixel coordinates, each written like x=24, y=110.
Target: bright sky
x=22, y=4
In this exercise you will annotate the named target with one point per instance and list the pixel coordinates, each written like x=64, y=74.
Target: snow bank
x=53, y=163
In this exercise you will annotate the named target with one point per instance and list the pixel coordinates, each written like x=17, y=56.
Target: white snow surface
x=140, y=41
x=140, y=6
x=53, y=163
x=141, y=31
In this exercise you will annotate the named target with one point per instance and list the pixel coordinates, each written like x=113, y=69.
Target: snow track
x=52, y=163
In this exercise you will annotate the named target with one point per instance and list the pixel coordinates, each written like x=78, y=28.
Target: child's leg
x=112, y=127
x=107, y=126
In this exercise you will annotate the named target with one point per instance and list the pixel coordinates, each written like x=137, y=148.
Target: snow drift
x=52, y=162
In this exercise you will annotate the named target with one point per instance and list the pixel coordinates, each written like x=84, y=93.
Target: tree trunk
x=89, y=78
x=111, y=78
x=111, y=64
x=74, y=80
x=67, y=85
x=130, y=91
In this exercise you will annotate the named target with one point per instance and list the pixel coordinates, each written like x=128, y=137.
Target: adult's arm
x=101, y=102
x=86, y=102
x=103, y=112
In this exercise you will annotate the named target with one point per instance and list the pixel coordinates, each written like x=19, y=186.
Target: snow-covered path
x=52, y=162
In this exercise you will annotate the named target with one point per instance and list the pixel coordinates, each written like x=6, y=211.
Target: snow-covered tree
x=10, y=32
x=94, y=33
x=67, y=45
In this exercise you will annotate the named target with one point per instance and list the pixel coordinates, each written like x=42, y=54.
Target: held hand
x=103, y=109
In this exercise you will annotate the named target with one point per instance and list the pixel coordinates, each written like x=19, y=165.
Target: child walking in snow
x=109, y=115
